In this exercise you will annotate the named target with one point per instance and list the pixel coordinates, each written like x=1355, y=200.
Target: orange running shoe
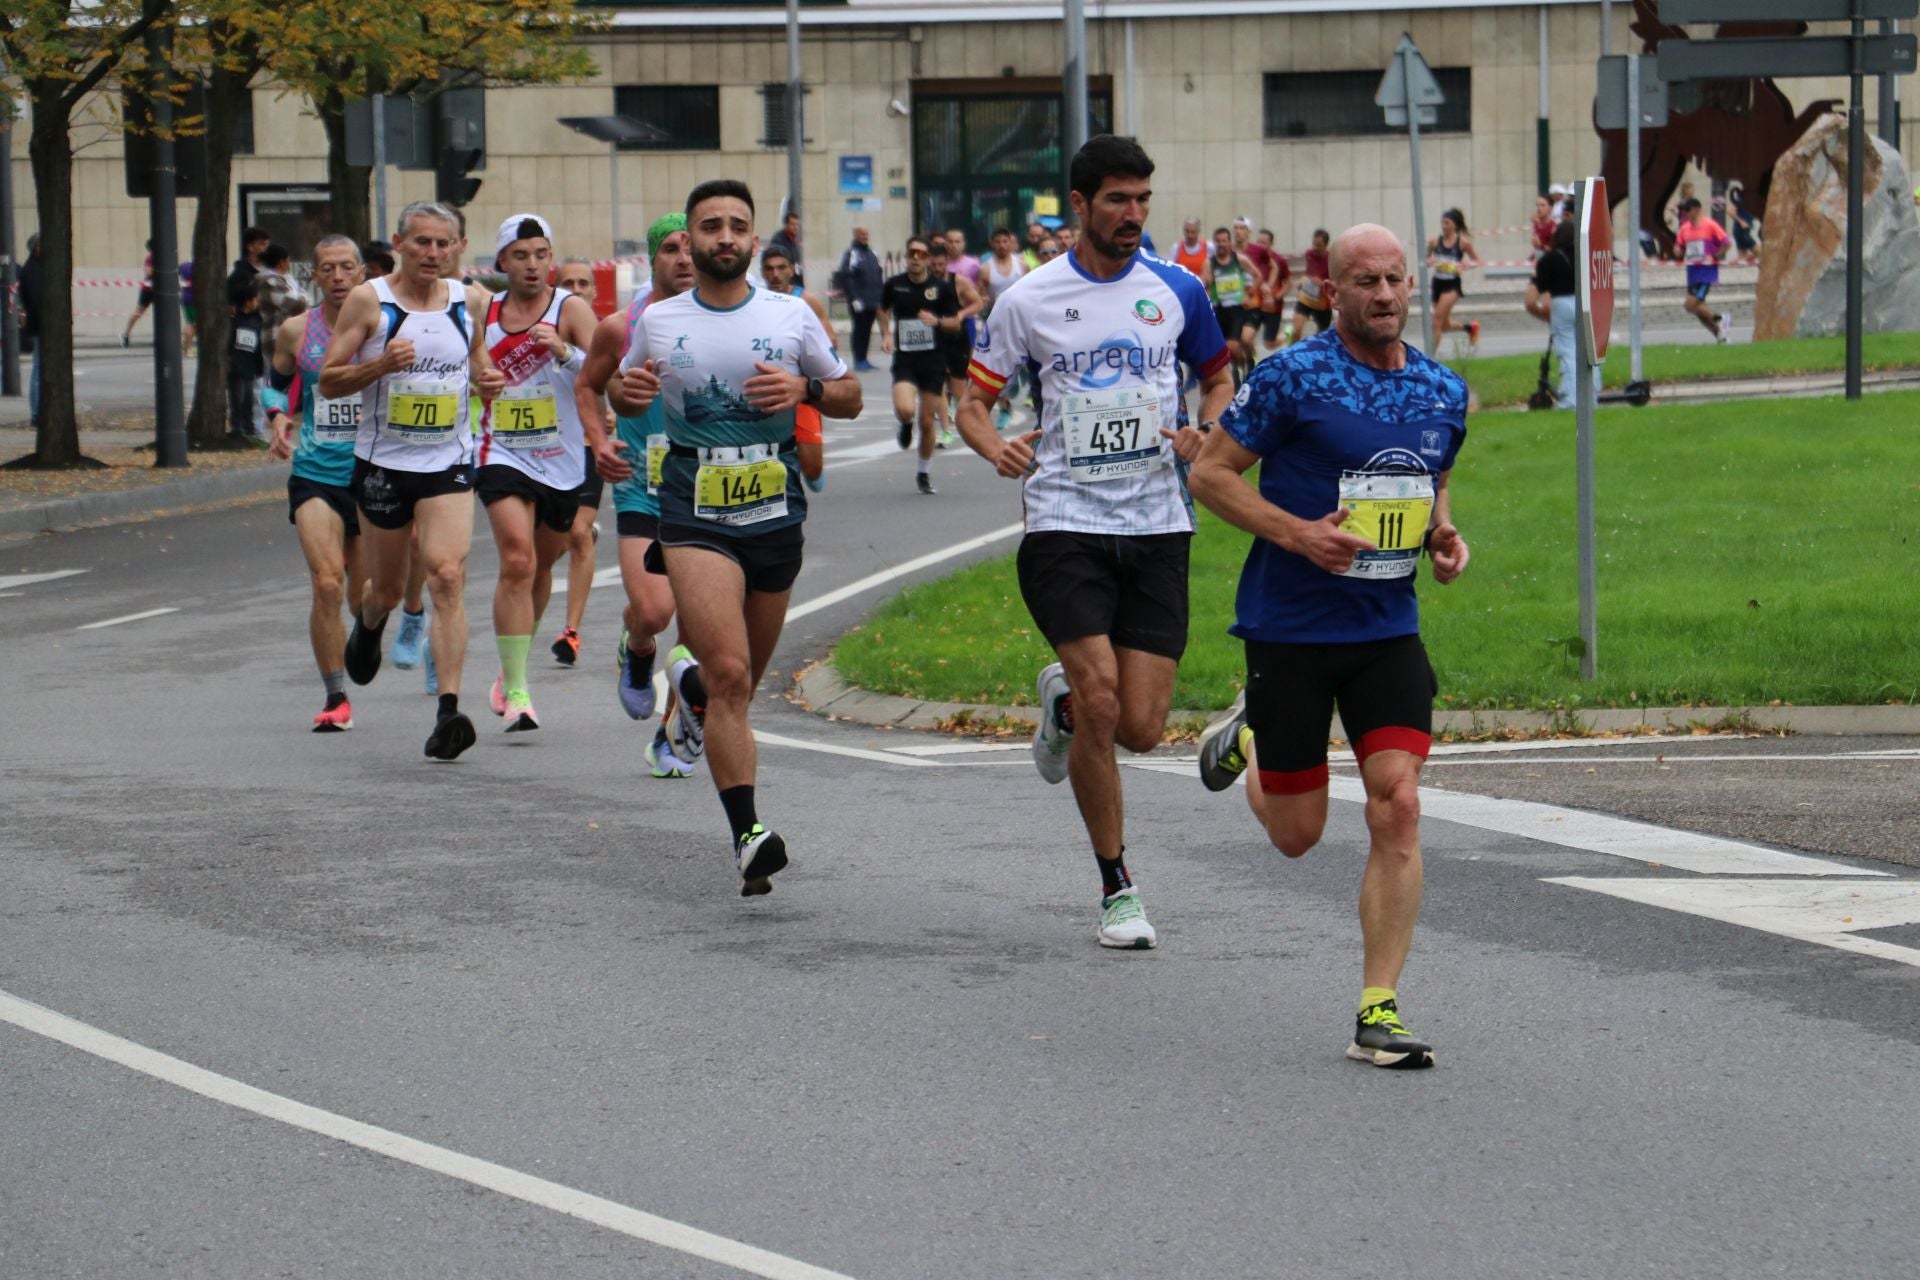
x=566, y=649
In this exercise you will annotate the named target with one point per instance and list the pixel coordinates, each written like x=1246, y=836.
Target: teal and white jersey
x=648, y=431
x=704, y=357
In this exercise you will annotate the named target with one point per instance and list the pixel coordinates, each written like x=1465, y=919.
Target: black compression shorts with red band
x=1384, y=690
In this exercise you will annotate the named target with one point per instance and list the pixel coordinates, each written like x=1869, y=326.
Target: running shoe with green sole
x=1224, y=751
x=1123, y=922
x=1053, y=738
x=1381, y=1038
x=759, y=854
x=662, y=761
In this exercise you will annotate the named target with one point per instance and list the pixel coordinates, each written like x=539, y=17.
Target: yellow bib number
x=741, y=493
x=656, y=462
x=524, y=417
x=423, y=412
x=1392, y=512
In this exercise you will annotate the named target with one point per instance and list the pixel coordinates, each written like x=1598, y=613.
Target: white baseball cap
x=510, y=231
x=1557, y=189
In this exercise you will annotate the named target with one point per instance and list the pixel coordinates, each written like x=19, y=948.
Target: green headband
x=659, y=231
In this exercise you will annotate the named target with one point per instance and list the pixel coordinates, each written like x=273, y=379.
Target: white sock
x=926, y=466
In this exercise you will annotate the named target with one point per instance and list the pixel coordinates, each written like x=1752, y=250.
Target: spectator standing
x=1543, y=226
x=859, y=280
x=244, y=361
x=787, y=241
x=1550, y=298
x=253, y=243
x=32, y=284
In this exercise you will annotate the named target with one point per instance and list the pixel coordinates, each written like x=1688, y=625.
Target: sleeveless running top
x=534, y=426
x=644, y=436
x=417, y=419
x=327, y=427
x=1195, y=261
x=995, y=280
x=1229, y=283
x=1447, y=260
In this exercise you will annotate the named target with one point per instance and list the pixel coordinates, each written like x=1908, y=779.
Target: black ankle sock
x=449, y=705
x=1113, y=873
x=738, y=802
x=335, y=699
x=694, y=690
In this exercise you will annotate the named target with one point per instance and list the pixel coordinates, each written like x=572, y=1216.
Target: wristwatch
x=816, y=391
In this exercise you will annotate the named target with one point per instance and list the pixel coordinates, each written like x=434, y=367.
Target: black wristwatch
x=816, y=391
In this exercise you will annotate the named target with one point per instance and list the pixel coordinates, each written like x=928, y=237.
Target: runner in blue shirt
x=1356, y=434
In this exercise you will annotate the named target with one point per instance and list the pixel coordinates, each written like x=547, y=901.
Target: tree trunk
x=349, y=184
x=226, y=88
x=50, y=149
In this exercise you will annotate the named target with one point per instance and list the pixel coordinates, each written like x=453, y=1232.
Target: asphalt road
x=1661, y=1053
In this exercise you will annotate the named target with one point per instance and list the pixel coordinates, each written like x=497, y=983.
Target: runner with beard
x=731, y=362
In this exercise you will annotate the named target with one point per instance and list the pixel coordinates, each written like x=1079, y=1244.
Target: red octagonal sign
x=1594, y=268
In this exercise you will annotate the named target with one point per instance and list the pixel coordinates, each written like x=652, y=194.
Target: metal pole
x=169, y=405
x=1419, y=217
x=1633, y=207
x=1890, y=94
x=1133, y=104
x=1543, y=148
x=1606, y=27
x=9, y=323
x=381, y=228
x=1583, y=465
x=1073, y=76
x=796, y=108
x=1856, y=216
x=613, y=194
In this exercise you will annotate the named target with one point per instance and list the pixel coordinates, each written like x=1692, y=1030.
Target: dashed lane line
x=597, y=1210
x=131, y=617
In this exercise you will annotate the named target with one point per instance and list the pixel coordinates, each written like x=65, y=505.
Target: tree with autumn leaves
x=59, y=52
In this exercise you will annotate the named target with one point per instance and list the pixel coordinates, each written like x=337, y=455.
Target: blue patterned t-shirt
x=1332, y=431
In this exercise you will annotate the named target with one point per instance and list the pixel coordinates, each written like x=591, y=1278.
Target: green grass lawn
x=1749, y=552
x=1507, y=380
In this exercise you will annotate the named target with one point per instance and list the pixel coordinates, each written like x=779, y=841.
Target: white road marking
x=960, y=748
x=1830, y=913
x=1684, y=758
x=8, y=581
x=601, y=1212
x=852, y=753
x=914, y=565
x=131, y=617
x=1578, y=829
x=1574, y=744
x=857, y=454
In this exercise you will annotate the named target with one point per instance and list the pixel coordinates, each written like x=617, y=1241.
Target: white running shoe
x=1051, y=740
x=688, y=731
x=1123, y=922
x=759, y=854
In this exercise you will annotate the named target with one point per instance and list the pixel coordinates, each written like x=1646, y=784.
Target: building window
x=1339, y=104
x=688, y=116
x=242, y=126
x=773, y=113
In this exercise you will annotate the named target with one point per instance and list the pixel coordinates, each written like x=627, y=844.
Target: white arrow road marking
x=8, y=581
x=1830, y=913
x=131, y=617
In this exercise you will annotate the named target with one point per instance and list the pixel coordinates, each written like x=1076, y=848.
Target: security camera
x=895, y=107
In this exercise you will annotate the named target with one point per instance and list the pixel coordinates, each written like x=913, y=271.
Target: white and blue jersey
x=418, y=418
x=1331, y=431
x=1106, y=355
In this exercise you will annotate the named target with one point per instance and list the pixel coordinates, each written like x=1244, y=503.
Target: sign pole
x=1633, y=204
x=381, y=227
x=1419, y=216
x=1592, y=321
x=1856, y=198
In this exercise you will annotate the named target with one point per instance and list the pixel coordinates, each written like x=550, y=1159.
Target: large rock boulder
x=1803, y=257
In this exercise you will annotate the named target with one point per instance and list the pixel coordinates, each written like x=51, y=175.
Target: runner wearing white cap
x=532, y=455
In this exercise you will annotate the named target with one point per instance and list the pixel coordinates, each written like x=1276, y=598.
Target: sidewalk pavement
x=136, y=493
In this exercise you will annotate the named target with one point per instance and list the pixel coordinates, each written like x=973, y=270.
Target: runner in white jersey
x=408, y=346
x=532, y=451
x=997, y=275
x=732, y=364
x=1103, y=566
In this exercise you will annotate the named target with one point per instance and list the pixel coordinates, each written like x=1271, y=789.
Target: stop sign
x=1594, y=267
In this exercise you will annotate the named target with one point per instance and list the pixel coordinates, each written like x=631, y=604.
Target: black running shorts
x=301, y=490
x=554, y=508
x=770, y=561
x=926, y=370
x=637, y=524
x=1321, y=318
x=1383, y=688
x=387, y=496
x=595, y=486
x=1130, y=588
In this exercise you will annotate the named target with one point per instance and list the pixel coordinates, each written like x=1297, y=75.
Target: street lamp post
x=614, y=130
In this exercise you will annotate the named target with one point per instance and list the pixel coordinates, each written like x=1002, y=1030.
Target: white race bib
x=916, y=335
x=335, y=421
x=423, y=410
x=1696, y=251
x=1392, y=511
x=246, y=340
x=527, y=416
x=1112, y=434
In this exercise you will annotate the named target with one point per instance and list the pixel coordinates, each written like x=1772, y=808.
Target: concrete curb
x=823, y=692
x=146, y=501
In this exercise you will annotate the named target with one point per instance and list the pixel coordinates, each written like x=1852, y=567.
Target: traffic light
x=451, y=183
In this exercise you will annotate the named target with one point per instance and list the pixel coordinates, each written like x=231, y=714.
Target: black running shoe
x=451, y=735
x=925, y=482
x=363, y=651
x=759, y=854
x=1381, y=1038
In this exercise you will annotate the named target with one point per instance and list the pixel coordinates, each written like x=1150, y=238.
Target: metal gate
x=983, y=156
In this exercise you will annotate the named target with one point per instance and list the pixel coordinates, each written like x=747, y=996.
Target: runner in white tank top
x=532, y=446
x=408, y=347
x=998, y=272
